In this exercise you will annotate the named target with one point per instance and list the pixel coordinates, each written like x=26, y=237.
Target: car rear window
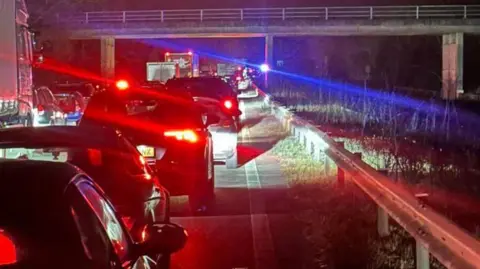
x=172, y=114
x=66, y=102
x=213, y=88
x=85, y=90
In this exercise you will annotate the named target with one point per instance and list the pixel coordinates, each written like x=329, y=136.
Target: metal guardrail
x=289, y=13
x=433, y=233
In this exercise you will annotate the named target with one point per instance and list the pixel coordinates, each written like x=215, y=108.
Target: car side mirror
x=212, y=119
x=161, y=238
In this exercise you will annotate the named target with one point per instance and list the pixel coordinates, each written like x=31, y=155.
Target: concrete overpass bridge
x=450, y=21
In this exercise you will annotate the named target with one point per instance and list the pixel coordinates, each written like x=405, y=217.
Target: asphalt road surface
x=250, y=225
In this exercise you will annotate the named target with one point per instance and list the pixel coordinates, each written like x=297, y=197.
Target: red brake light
x=228, y=104
x=183, y=135
x=8, y=253
x=167, y=54
x=239, y=78
x=40, y=108
x=190, y=53
x=122, y=85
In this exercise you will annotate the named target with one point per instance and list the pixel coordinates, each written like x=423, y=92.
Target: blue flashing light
x=264, y=68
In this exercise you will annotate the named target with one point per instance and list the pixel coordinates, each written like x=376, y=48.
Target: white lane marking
x=263, y=250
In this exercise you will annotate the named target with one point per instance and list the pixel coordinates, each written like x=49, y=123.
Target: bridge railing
x=289, y=13
x=434, y=233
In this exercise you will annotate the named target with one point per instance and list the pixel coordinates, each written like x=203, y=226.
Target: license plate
x=146, y=151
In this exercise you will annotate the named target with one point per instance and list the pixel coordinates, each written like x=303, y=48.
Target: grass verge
x=339, y=222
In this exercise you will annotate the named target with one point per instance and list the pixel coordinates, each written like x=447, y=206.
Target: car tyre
x=28, y=121
x=232, y=161
x=238, y=124
x=163, y=261
x=203, y=199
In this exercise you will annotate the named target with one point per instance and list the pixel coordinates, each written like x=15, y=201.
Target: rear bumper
x=224, y=143
x=181, y=170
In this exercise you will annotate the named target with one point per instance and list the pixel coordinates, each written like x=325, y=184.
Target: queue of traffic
x=105, y=184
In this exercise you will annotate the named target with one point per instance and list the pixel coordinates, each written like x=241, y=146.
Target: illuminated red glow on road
x=8, y=252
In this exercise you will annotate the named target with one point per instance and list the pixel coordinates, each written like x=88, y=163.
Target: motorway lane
x=238, y=232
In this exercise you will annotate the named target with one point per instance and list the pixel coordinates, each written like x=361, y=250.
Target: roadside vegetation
x=339, y=222
x=431, y=146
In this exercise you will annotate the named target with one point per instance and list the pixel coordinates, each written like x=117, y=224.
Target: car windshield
x=210, y=87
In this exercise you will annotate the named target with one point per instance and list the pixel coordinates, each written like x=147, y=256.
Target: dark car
x=46, y=110
x=172, y=135
x=52, y=215
x=83, y=88
x=72, y=98
x=106, y=156
x=209, y=91
x=218, y=98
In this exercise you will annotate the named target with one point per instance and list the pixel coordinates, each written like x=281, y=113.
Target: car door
x=104, y=237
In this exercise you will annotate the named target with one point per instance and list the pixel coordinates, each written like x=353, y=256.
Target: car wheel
x=27, y=121
x=211, y=182
x=203, y=197
x=238, y=124
x=163, y=261
x=232, y=162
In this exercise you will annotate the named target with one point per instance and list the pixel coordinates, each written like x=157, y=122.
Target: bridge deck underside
x=228, y=29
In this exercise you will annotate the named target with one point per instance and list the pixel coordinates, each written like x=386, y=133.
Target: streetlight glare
x=264, y=68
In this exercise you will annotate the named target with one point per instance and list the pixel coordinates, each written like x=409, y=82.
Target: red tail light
x=228, y=104
x=239, y=78
x=40, y=108
x=183, y=135
x=8, y=252
x=122, y=85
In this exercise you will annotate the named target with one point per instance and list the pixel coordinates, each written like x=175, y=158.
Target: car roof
x=33, y=207
x=28, y=180
x=196, y=79
x=90, y=136
x=28, y=187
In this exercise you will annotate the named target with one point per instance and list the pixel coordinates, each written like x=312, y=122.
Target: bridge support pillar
x=422, y=256
x=108, y=57
x=452, y=65
x=268, y=55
